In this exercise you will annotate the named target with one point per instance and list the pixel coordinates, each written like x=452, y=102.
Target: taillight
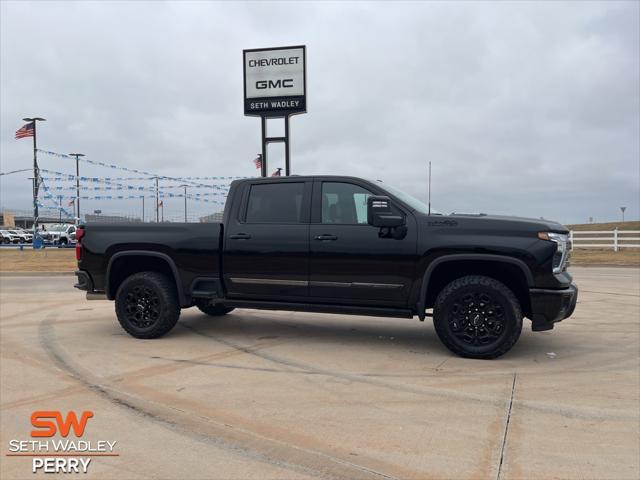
x=79, y=235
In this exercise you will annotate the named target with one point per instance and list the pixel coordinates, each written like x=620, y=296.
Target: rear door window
x=275, y=203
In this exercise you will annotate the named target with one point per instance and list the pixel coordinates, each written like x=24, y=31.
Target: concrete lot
x=289, y=395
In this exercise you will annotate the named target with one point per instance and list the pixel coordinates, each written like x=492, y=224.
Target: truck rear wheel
x=477, y=317
x=215, y=310
x=147, y=305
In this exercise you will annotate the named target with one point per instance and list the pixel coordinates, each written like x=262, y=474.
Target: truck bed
x=192, y=249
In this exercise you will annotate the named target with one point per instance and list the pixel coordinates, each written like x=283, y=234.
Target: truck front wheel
x=477, y=317
x=215, y=310
x=147, y=305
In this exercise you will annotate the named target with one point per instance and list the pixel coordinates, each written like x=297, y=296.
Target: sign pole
x=287, y=167
x=263, y=166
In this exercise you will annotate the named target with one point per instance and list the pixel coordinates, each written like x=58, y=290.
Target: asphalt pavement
x=285, y=395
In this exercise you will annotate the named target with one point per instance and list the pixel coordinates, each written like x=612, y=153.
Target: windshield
x=409, y=200
x=58, y=228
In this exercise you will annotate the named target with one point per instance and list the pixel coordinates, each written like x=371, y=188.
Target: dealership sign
x=275, y=83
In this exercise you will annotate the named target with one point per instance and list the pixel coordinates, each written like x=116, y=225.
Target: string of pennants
x=52, y=199
x=133, y=170
x=63, y=177
x=51, y=196
x=129, y=187
x=125, y=197
x=112, y=181
x=112, y=184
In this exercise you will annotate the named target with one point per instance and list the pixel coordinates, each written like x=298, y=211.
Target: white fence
x=609, y=239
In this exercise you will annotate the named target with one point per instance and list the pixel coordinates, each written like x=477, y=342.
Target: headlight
x=562, y=250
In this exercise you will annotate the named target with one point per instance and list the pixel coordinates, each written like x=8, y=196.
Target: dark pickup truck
x=336, y=245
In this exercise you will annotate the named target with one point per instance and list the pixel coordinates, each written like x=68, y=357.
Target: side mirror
x=380, y=213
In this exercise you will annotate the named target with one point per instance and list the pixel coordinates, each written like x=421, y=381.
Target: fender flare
x=422, y=300
x=145, y=253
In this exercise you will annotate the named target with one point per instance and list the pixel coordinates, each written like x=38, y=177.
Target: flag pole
x=36, y=173
x=36, y=177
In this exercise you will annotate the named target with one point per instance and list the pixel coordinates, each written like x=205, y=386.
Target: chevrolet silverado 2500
x=336, y=245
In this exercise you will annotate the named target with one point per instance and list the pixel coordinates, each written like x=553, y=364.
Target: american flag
x=26, y=131
x=258, y=161
x=277, y=173
x=72, y=202
x=160, y=204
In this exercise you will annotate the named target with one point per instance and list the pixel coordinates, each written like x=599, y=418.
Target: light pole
x=59, y=208
x=429, y=187
x=77, y=155
x=622, y=209
x=185, y=201
x=157, y=200
x=36, y=172
x=143, y=208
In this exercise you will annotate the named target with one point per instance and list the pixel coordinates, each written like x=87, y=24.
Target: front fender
x=422, y=299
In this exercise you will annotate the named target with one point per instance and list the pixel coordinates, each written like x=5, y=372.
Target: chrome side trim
x=270, y=281
x=356, y=285
x=304, y=283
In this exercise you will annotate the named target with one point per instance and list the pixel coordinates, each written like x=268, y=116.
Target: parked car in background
x=27, y=233
x=24, y=237
x=5, y=237
x=60, y=234
x=8, y=237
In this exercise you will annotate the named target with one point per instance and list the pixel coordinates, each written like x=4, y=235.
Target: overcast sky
x=524, y=108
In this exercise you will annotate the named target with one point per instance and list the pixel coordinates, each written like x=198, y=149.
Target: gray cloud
x=523, y=108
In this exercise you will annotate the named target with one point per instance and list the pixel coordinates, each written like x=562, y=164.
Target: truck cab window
x=275, y=203
x=344, y=203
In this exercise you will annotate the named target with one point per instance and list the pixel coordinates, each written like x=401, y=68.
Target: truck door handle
x=326, y=237
x=240, y=236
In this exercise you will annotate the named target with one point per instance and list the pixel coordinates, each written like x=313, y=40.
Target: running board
x=320, y=308
x=96, y=296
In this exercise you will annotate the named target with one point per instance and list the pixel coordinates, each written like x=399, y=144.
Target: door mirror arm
x=397, y=233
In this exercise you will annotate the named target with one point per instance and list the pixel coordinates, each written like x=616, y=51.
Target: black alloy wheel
x=142, y=306
x=477, y=317
x=147, y=305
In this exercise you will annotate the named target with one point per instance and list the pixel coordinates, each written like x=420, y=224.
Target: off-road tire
x=147, y=305
x=215, y=310
x=452, y=318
